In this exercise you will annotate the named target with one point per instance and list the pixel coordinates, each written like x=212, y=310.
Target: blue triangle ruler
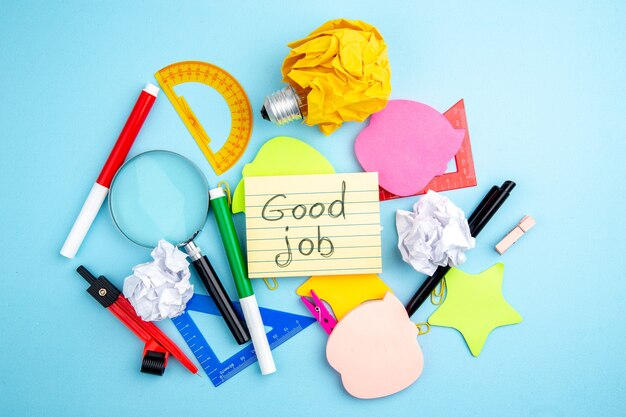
x=284, y=326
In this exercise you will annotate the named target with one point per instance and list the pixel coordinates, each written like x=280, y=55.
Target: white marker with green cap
x=249, y=305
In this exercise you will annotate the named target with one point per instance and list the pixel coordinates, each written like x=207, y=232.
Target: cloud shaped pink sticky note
x=408, y=144
x=374, y=348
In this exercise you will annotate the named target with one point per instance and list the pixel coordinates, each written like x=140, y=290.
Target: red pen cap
x=129, y=133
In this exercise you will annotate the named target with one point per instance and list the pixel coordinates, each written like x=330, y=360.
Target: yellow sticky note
x=303, y=225
x=345, y=292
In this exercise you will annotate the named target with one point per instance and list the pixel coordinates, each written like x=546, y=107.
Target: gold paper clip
x=422, y=328
x=271, y=287
x=226, y=190
x=437, y=296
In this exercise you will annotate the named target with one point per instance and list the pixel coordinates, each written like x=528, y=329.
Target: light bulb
x=338, y=73
x=284, y=106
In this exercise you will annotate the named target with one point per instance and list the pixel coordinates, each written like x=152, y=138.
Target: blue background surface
x=544, y=86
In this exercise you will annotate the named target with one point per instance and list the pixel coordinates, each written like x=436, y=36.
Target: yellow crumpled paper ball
x=343, y=69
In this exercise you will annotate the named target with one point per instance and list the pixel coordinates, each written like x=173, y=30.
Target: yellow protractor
x=236, y=98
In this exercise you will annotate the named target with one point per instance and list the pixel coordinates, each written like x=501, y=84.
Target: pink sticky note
x=408, y=144
x=374, y=348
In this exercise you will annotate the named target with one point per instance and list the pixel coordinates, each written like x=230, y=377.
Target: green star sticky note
x=474, y=305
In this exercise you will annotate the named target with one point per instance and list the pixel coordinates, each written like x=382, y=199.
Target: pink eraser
x=408, y=144
x=523, y=226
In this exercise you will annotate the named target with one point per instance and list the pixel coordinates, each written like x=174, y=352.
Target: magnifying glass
x=163, y=195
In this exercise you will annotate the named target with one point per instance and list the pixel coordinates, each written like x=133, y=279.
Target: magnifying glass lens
x=159, y=195
x=163, y=195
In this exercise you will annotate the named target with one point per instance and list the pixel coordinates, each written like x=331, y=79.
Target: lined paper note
x=302, y=225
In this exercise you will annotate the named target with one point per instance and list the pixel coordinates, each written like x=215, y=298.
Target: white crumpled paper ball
x=160, y=289
x=435, y=233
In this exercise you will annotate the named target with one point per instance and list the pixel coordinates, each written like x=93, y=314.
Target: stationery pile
x=303, y=220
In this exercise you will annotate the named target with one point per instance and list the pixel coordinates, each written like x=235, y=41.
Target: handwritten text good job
x=313, y=225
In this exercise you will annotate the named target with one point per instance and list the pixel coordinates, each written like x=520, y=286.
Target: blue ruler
x=284, y=326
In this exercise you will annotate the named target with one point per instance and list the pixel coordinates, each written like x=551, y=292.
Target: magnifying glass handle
x=217, y=292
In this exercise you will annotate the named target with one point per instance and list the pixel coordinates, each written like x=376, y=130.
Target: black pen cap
x=507, y=186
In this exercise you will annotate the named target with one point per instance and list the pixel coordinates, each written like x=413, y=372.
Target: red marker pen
x=100, y=189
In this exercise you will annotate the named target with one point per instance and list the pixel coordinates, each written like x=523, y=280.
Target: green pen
x=237, y=263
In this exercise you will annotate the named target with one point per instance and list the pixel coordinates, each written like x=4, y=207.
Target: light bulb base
x=283, y=106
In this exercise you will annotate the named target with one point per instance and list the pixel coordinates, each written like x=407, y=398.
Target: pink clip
x=319, y=311
x=524, y=226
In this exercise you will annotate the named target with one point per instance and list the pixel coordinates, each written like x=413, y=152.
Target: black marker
x=481, y=206
x=477, y=221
